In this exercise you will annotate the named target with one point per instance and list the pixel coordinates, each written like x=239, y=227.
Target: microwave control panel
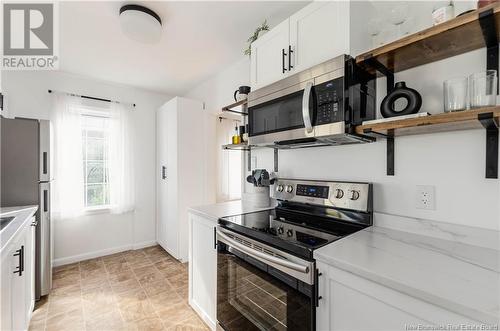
x=329, y=101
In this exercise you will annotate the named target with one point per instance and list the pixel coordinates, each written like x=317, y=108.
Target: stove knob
x=355, y=195
x=280, y=188
x=289, y=232
x=281, y=230
x=339, y=194
x=289, y=189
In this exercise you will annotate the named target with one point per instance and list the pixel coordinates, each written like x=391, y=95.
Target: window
x=93, y=157
x=95, y=143
x=229, y=163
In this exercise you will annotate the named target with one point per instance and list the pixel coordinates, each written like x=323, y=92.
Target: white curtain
x=68, y=185
x=228, y=163
x=121, y=160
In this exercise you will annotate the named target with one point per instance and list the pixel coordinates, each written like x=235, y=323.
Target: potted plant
x=263, y=28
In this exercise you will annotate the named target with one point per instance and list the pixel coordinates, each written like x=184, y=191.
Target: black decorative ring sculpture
x=412, y=97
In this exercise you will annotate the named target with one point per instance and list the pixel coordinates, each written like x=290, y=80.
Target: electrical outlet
x=425, y=197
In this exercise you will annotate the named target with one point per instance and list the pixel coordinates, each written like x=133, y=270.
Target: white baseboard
x=211, y=324
x=103, y=252
x=144, y=244
x=169, y=251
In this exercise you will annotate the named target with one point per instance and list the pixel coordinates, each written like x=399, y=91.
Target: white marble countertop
x=230, y=208
x=456, y=276
x=22, y=215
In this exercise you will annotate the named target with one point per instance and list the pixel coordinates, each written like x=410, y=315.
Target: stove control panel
x=314, y=191
x=346, y=195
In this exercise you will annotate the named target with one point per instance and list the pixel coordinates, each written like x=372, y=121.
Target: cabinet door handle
x=163, y=172
x=283, y=54
x=290, y=51
x=215, y=237
x=44, y=166
x=318, y=297
x=45, y=200
x=22, y=259
x=20, y=254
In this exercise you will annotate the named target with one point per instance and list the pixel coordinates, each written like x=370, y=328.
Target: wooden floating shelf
x=230, y=108
x=236, y=147
x=456, y=36
x=460, y=120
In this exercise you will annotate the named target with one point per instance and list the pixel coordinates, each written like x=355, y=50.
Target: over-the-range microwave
x=316, y=107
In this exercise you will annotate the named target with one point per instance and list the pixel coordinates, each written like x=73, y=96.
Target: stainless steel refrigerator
x=25, y=180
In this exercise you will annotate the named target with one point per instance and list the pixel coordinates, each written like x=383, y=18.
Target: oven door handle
x=305, y=107
x=267, y=257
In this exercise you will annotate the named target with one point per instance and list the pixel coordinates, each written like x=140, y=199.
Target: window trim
x=93, y=210
x=96, y=209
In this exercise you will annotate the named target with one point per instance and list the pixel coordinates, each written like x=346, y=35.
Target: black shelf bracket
x=276, y=156
x=491, y=125
x=234, y=111
x=488, y=27
x=389, y=137
x=249, y=160
x=374, y=63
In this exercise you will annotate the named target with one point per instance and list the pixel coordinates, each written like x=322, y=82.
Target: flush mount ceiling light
x=140, y=24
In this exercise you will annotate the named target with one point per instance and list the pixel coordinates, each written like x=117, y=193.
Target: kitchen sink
x=4, y=221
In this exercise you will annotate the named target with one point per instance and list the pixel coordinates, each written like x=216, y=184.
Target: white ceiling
x=199, y=39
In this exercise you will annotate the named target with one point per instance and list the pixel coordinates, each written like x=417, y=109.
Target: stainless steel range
x=266, y=273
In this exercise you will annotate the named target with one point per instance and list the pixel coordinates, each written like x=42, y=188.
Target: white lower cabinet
x=350, y=302
x=203, y=268
x=18, y=281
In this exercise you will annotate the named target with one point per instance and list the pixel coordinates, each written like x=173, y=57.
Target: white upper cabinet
x=269, y=58
x=316, y=33
x=319, y=32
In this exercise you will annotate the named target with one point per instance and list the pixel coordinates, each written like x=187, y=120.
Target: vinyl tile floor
x=144, y=289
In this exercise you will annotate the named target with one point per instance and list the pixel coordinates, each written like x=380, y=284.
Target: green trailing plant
x=263, y=27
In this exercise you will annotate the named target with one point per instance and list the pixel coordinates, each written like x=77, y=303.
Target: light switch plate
x=425, y=197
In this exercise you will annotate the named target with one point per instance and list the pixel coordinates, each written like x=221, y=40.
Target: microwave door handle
x=305, y=107
x=257, y=254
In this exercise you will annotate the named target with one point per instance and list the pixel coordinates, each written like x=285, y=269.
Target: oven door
x=262, y=288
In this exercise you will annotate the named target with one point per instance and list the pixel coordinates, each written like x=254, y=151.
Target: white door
x=162, y=172
x=30, y=268
x=6, y=290
x=269, y=58
x=18, y=288
x=203, y=266
x=319, y=32
x=171, y=225
x=167, y=229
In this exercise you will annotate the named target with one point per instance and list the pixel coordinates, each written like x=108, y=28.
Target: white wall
x=453, y=162
x=96, y=234
x=215, y=93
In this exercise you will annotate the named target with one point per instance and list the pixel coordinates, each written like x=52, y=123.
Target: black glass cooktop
x=295, y=232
